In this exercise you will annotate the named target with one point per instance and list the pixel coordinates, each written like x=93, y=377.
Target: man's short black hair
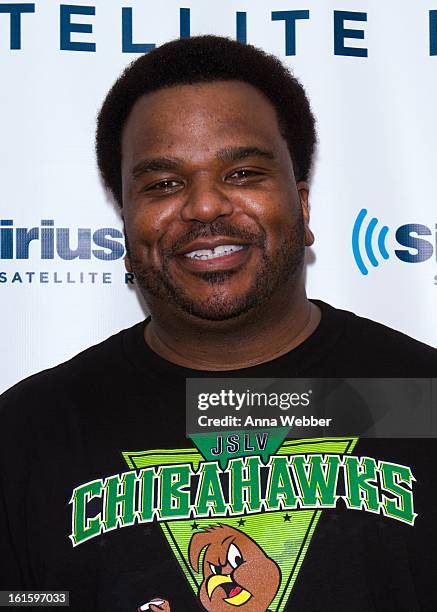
x=204, y=59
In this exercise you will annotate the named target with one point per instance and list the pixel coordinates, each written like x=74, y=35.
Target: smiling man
x=206, y=145
x=216, y=224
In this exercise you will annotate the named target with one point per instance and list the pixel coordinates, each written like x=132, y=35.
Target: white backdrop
x=377, y=131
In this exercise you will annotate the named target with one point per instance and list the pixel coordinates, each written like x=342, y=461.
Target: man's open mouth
x=219, y=251
x=214, y=254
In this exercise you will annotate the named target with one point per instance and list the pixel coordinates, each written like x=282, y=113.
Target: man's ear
x=304, y=190
x=127, y=263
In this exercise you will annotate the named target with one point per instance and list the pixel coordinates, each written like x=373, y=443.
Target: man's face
x=213, y=217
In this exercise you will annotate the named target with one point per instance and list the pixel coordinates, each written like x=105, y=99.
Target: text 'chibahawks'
x=246, y=486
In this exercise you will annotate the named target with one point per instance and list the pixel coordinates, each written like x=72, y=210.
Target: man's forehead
x=217, y=92
x=227, y=102
x=213, y=117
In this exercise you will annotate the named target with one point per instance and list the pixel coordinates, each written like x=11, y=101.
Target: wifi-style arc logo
x=368, y=242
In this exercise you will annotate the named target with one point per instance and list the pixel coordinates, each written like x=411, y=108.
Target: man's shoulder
x=389, y=349
x=92, y=366
x=387, y=338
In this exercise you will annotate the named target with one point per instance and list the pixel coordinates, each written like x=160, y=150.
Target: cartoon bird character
x=236, y=571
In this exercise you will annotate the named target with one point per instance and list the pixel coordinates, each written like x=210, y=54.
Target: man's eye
x=242, y=174
x=166, y=185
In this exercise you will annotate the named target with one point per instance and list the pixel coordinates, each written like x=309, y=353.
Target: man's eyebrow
x=159, y=164
x=239, y=153
x=156, y=164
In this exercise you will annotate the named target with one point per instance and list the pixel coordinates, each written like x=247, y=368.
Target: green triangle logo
x=245, y=444
x=283, y=537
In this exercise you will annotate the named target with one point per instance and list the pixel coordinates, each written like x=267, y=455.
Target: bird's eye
x=235, y=558
x=215, y=569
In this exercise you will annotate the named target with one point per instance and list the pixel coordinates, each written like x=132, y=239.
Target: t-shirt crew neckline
x=293, y=363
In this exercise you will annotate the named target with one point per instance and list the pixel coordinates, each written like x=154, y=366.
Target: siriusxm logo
x=50, y=242
x=369, y=242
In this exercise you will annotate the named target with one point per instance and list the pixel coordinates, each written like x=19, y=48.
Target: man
x=207, y=144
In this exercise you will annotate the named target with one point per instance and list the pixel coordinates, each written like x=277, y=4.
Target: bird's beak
x=217, y=580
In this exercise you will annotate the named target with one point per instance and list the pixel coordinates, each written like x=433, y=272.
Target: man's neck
x=274, y=329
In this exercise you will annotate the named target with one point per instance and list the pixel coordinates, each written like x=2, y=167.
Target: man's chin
x=213, y=309
x=213, y=299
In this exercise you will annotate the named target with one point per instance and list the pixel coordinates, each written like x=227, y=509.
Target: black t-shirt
x=96, y=475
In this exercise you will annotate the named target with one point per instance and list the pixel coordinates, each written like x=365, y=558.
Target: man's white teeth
x=219, y=251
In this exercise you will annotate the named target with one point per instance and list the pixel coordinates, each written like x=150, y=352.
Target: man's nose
x=206, y=201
